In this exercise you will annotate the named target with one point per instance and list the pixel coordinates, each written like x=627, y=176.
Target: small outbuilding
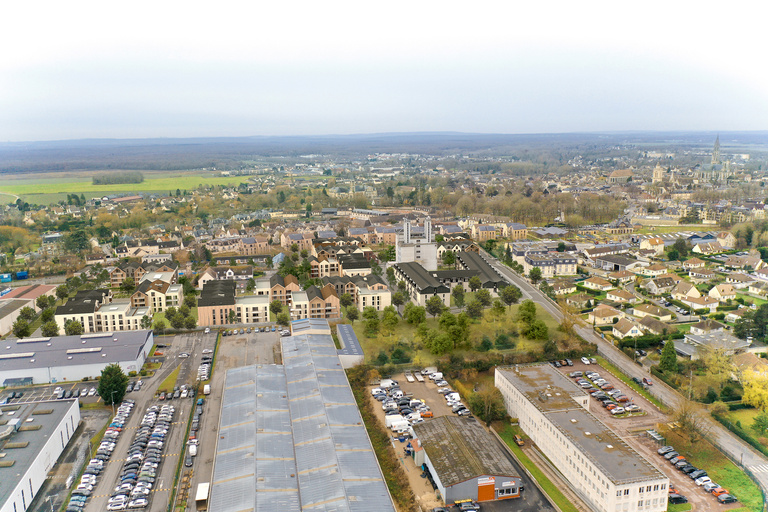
x=465, y=461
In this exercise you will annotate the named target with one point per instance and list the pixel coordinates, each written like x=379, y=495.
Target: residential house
x=659, y=285
x=604, y=315
x=706, y=326
x=622, y=276
x=654, y=326
x=643, y=310
x=736, y=315
x=703, y=302
x=323, y=267
x=621, y=296
x=694, y=263
x=551, y=264
x=580, y=300
x=370, y=290
x=626, y=329
x=707, y=248
x=653, y=270
x=514, y=231
x=597, y=283
x=564, y=288
x=726, y=240
x=685, y=290
x=739, y=280
x=758, y=288
x=723, y=292
x=617, y=262
x=483, y=232
x=701, y=275
x=655, y=244
x=254, y=246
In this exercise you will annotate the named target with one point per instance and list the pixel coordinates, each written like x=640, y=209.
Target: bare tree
x=690, y=418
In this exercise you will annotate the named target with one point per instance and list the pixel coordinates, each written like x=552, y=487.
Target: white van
x=387, y=383
x=436, y=376
x=192, y=450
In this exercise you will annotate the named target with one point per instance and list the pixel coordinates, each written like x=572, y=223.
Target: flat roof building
x=31, y=441
x=465, y=461
x=72, y=358
x=603, y=469
x=291, y=437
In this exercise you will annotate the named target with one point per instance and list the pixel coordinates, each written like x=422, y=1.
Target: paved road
x=734, y=447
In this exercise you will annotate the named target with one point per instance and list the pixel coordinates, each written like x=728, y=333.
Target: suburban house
x=701, y=274
x=660, y=285
x=758, y=288
x=654, y=270
x=626, y=329
x=703, y=302
x=580, y=300
x=739, y=280
x=597, y=283
x=564, y=288
x=735, y=315
x=706, y=326
x=604, y=315
x=620, y=295
x=622, y=276
x=655, y=326
x=685, y=290
x=643, y=310
x=726, y=240
x=723, y=292
x=707, y=248
x=694, y=263
x=655, y=244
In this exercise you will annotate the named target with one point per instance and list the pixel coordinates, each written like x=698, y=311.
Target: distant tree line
x=118, y=178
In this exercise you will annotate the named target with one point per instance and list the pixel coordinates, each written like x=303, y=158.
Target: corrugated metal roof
x=291, y=437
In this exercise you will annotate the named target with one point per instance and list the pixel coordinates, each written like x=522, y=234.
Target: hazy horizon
x=175, y=70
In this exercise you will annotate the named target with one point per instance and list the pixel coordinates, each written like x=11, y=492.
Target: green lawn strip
x=545, y=483
x=680, y=507
x=629, y=382
x=170, y=380
x=755, y=300
x=721, y=470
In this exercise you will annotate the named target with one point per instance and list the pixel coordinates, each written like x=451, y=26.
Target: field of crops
x=36, y=189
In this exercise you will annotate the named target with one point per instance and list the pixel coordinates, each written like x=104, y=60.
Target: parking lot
x=428, y=391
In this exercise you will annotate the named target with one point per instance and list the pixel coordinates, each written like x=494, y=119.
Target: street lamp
x=113, y=401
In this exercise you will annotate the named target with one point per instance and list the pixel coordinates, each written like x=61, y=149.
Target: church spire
x=716, y=151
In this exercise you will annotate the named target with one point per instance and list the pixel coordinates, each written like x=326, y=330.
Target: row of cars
x=144, y=458
x=178, y=392
x=699, y=476
x=89, y=478
x=401, y=412
x=249, y=330
x=193, y=441
x=453, y=400
x=603, y=391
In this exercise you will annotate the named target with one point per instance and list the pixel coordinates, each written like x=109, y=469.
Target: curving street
x=736, y=449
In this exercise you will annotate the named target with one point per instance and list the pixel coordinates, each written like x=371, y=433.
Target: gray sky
x=176, y=69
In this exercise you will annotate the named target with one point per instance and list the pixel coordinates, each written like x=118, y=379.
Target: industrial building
x=291, y=437
x=72, y=358
x=465, y=461
x=604, y=470
x=32, y=437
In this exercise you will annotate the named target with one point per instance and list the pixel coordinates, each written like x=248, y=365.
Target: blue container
x=22, y=275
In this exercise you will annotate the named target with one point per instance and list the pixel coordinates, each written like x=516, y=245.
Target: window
x=641, y=490
x=626, y=492
x=618, y=493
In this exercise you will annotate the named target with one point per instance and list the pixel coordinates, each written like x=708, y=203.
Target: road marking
x=763, y=468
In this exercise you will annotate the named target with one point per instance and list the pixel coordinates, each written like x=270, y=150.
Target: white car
x=585, y=360
x=702, y=480
x=91, y=391
x=207, y=330
x=207, y=351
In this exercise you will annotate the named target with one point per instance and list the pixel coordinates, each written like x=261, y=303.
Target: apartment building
x=420, y=284
x=605, y=471
x=281, y=288
x=365, y=291
x=157, y=296
x=315, y=302
x=551, y=264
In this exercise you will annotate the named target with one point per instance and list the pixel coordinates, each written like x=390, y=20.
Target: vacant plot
x=38, y=188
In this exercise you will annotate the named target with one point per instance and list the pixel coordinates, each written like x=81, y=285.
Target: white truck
x=399, y=424
x=207, y=389
x=391, y=419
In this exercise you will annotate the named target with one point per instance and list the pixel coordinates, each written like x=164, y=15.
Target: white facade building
x=38, y=432
x=421, y=249
x=605, y=471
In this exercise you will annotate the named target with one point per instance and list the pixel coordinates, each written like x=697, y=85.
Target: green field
x=51, y=189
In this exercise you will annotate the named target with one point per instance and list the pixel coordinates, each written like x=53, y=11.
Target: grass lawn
x=683, y=328
x=170, y=380
x=720, y=469
x=744, y=416
x=166, y=181
x=751, y=299
x=681, y=507
x=545, y=483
